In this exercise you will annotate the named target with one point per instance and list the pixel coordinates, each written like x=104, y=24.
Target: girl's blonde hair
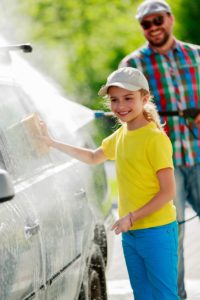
x=150, y=111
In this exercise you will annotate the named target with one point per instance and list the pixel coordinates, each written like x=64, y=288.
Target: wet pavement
x=117, y=277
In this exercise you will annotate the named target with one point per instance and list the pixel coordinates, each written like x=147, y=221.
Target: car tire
x=100, y=238
x=94, y=283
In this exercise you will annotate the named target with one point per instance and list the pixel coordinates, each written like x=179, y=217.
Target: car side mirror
x=6, y=186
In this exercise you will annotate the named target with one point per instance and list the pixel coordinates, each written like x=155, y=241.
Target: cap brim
x=104, y=90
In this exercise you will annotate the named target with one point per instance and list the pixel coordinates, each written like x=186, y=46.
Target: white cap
x=127, y=78
x=150, y=7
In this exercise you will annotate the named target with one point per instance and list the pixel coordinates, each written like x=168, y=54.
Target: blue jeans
x=187, y=190
x=151, y=257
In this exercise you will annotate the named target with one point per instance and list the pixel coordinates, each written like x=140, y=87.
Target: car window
x=18, y=152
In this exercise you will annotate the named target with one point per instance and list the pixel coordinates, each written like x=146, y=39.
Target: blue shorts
x=151, y=257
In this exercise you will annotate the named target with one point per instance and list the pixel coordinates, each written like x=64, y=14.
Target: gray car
x=54, y=230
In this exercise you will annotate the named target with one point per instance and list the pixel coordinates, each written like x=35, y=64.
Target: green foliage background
x=79, y=42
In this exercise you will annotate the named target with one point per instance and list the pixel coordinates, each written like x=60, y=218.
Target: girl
x=146, y=185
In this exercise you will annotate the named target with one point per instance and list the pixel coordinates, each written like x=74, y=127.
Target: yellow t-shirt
x=138, y=155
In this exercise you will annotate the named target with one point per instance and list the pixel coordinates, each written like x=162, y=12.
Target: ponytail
x=150, y=111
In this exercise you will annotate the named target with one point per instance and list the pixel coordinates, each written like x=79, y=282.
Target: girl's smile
x=127, y=106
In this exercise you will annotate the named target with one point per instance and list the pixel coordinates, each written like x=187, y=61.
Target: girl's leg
x=160, y=248
x=136, y=269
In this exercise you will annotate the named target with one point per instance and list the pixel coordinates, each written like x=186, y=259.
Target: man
x=172, y=68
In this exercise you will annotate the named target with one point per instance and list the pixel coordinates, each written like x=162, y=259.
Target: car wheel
x=100, y=239
x=94, y=283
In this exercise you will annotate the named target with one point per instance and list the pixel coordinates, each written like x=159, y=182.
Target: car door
x=63, y=191
x=44, y=235
x=21, y=268
x=53, y=219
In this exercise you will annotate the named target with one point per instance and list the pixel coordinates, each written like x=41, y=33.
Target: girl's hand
x=123, y=224
x=45, y=134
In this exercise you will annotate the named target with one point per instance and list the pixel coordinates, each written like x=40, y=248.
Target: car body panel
x=47, y=228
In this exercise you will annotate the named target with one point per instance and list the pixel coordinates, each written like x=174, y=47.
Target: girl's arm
x=166, y=193
x=85, y=155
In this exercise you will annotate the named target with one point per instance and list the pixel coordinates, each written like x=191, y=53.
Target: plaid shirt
x=174, y=79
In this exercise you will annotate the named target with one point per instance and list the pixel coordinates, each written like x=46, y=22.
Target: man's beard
x=161, y=43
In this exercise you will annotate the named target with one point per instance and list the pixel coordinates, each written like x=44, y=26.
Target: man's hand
x=197, y=121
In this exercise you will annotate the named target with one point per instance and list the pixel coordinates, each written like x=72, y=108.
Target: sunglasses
x=157, y=21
